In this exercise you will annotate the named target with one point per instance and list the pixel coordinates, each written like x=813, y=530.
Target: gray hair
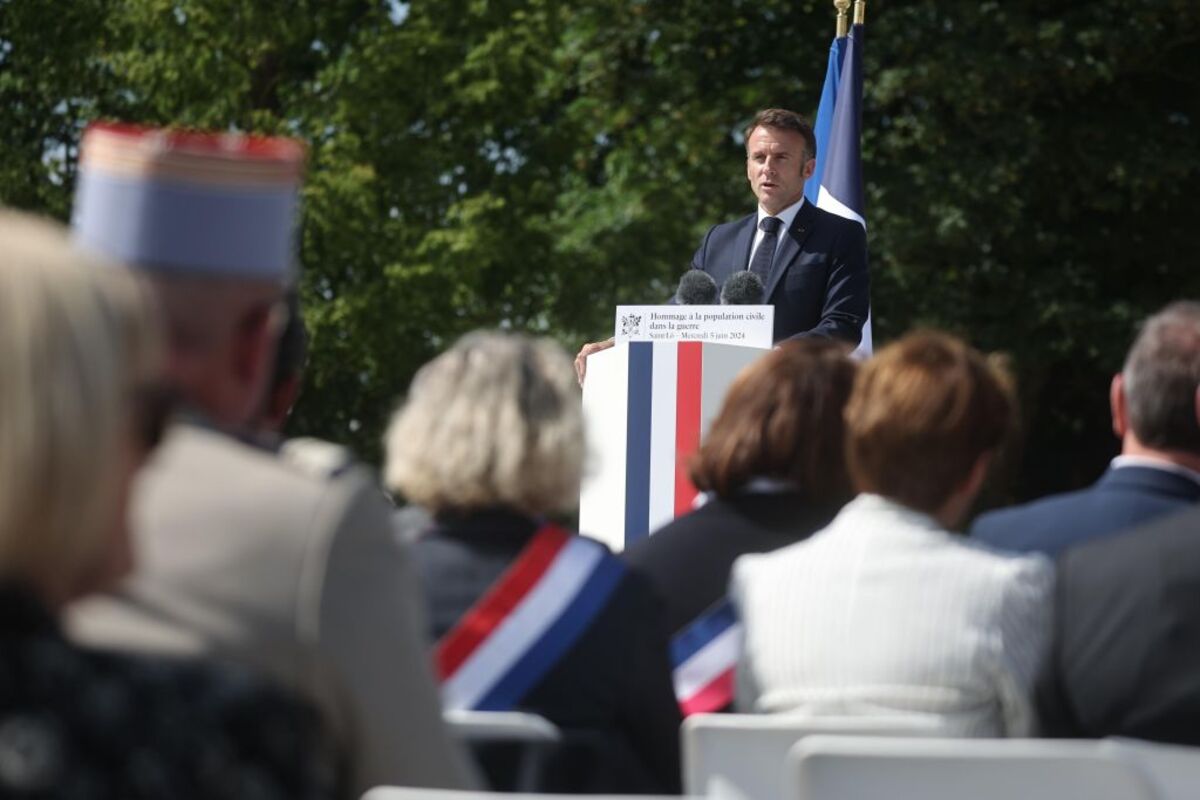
x=494, y=421
x=1161, y=376
x=76, y=340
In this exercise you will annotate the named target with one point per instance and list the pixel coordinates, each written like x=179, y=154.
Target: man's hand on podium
x=588, y=349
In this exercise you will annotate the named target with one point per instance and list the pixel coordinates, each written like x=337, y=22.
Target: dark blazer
x=611, y=693
x=1127, y=639
x=818, y=284
x=1121, y=499
x=688, y=560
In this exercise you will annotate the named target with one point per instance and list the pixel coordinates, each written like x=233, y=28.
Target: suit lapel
x=789, y=246
x=745, y=240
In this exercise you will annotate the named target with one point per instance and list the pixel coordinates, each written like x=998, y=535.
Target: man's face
x=777, y=164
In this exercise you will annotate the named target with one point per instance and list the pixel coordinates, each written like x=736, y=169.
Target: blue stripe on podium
x=637, y=442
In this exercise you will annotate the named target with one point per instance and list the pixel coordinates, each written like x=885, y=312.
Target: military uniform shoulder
x=212, y=452
x=317, y=457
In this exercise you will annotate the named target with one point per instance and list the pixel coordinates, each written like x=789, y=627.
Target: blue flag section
x=841, y=189
x=841, y=177
x=824, y=118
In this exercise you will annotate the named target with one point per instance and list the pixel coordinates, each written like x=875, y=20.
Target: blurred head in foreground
x=783, y=420
x=209, y=219
x=495, y=421
x=80, y=407
x=926, y=416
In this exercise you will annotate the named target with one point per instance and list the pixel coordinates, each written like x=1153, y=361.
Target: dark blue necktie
x=764, y=255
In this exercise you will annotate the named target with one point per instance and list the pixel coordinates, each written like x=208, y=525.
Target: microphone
x=696, y=288
x=743, y=288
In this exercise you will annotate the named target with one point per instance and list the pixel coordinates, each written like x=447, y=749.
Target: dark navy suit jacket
x=1121, y=499
x=818, y=284
x=1127, y=637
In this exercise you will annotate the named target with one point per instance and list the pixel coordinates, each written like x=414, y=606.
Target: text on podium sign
x=749, y=326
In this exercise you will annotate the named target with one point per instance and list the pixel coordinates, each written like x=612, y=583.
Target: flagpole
x=860, y=12
x=843, y=22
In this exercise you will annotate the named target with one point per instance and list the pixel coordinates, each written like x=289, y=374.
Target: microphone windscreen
x=743, y=288
x=696, y=288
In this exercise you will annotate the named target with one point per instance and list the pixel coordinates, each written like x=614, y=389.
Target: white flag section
x=841, y=183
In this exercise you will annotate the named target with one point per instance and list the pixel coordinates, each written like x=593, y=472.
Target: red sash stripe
x=454, y=648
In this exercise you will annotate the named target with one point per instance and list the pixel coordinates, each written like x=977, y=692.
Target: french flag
x=704, y=656
x=521, y=628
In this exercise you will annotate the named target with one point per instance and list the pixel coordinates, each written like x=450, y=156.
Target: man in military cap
x=242, y=554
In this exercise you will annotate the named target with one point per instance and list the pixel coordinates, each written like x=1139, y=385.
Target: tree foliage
x=1031, y=168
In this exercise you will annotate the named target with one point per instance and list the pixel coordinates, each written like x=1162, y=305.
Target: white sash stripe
x=708, y=662
x=533, y=615
x=662, y=434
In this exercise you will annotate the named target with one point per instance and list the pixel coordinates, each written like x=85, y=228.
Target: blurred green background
x=1032, y=168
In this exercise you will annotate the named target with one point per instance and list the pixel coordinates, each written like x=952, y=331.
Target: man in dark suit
x=1127, y=637
x=1158, y=471
x=813, y=264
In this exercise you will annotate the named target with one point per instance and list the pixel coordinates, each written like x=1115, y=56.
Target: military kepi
x=182, y=201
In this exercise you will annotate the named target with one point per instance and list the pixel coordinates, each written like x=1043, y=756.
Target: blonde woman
x=80, y=409
x=525, y=614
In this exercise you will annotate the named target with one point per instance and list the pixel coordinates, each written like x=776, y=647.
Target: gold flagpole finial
x=843, y=21
x=860, y=12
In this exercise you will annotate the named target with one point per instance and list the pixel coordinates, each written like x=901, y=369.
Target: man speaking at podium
x=813, y=264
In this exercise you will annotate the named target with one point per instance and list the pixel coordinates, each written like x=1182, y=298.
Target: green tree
x=1030, y=169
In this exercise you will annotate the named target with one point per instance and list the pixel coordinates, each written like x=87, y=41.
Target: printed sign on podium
x=749, y=326
x=646, y=405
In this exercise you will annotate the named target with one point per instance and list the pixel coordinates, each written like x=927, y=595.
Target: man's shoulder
x=731, y=228
x=195, y=459
x=1036, y=524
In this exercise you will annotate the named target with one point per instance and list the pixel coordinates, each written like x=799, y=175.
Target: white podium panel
x=646, y=405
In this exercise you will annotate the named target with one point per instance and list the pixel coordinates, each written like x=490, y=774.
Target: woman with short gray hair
x=527, y=616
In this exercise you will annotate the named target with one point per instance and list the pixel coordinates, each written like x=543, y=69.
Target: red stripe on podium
x=687, y=420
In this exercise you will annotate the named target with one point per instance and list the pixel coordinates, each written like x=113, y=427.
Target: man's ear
x=1116, y=403
x=809, y=167
x=253, y=357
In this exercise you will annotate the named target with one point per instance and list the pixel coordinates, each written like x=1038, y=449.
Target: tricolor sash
x=704, y=656
x=526, y=622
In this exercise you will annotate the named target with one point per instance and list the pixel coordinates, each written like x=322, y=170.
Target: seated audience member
x=1158, y=471
x=80, y=409
x=246, y=555
x=774, y=470
x=525, y=614
x=886, y=612
x=1127, y=637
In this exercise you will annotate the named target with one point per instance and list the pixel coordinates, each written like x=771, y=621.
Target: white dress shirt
x=886, y=613
x=787, y=216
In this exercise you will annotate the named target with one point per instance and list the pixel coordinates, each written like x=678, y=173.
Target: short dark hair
x=923, y=411
x=1161, y=375
x=782, y=418
x=783, y=119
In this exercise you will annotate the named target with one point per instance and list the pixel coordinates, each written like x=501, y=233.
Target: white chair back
x=407, y=793
x=744, y=756
x=867, y=768
x=1173, y=769
x=501, y=726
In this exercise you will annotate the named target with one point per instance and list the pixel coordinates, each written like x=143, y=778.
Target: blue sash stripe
x=701, y=631
x=529, y=670
x=637, y=442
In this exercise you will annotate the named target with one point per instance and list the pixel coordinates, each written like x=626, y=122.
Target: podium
x=646, y=406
